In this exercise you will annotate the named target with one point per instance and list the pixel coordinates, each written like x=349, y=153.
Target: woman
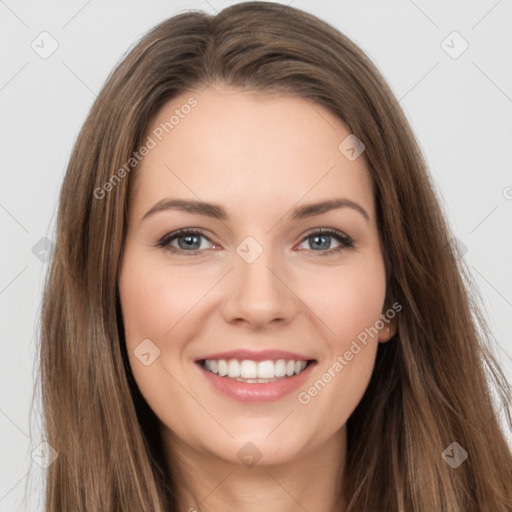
x=254, y=301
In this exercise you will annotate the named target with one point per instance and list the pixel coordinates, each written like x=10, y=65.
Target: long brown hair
x=431, y=384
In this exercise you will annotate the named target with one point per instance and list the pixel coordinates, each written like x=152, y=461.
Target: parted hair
x=437, y=381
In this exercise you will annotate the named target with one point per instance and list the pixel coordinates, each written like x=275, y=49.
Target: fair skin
x=258, y=157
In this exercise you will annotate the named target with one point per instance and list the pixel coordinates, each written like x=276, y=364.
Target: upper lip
x=262, y=355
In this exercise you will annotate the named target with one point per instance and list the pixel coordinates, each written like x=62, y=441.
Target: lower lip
x=254, y=392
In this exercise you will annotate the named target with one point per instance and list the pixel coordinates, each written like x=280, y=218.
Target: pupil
x=189, y=240
x=326, y=244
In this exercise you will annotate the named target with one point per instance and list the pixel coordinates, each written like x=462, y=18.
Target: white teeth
x=233, y=368
x=255, y=371
x=223, y=367
x=266, y=370
x=280, y=368
x=248, y=369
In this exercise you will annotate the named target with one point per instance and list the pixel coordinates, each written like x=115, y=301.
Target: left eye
x=319, y=238
x=189, y=241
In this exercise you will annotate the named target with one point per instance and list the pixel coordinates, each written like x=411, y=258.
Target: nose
x=259, y=293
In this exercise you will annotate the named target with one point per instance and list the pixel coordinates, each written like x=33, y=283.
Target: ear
x=389, y=330
x=390, y=327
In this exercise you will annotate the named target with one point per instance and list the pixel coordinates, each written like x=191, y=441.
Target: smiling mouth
x=255, y=372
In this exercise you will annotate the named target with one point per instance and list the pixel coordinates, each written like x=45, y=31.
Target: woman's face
x=260, y=285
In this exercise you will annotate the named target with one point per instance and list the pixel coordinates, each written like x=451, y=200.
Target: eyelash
x=345, y=241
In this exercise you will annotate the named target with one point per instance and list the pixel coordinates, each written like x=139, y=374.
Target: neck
x=311, y=481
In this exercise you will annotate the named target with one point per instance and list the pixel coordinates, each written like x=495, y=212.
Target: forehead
x=251, y=150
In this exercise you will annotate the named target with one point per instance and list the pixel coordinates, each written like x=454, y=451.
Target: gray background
x=460, y=109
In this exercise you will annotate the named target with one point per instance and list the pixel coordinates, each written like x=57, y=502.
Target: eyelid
x=346, y=241
x=167, y=238
x=328, y=231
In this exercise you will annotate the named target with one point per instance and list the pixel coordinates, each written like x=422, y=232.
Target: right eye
x=188, y=241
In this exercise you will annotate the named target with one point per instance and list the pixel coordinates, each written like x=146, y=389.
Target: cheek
x=144, y=303
x=349, y=300
x=349, y=303
x=154, y=298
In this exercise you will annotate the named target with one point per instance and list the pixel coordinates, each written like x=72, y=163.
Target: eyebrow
x=217, y=212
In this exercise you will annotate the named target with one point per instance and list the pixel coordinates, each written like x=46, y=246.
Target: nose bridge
x=259, y=293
